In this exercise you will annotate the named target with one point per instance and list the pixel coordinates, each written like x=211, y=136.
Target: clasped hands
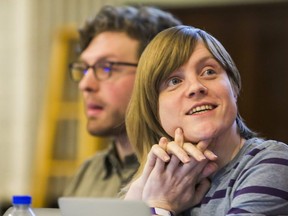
x=175, y=176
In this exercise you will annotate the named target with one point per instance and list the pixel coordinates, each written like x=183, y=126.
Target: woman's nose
x=196, y=88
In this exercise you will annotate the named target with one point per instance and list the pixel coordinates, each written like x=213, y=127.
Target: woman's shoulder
x=260, y=146
x=258, y=151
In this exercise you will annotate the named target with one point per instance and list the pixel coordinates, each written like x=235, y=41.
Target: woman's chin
x=196, y=137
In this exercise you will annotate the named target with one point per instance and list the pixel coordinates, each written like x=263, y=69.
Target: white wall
x=200, y=2
x=14, y=95
x=26, y=32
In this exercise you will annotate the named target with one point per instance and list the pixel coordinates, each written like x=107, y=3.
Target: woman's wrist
x=161, y=211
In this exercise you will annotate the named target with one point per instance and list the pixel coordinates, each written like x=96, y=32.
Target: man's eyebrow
x=80, y=59
x=99, y=60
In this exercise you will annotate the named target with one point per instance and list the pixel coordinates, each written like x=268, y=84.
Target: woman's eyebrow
x=178, y=70
x=205, y=60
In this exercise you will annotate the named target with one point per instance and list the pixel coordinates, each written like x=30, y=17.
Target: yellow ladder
x=62, y=140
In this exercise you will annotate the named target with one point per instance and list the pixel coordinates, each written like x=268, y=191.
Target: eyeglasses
x=102, y=70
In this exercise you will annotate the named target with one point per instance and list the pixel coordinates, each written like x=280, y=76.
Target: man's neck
x=123, y=146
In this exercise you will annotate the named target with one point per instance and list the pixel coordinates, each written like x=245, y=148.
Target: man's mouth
x=93, y=110
x=95, y=107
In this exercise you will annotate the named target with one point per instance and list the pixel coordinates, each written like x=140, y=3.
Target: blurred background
x=42, y=128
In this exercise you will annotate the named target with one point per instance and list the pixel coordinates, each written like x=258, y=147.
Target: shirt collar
x=112, y=162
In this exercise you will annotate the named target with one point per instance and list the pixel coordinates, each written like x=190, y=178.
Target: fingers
x=210, y=155
x=158, y=150
x=200, y=157
x=208, y=170
x=173, y=164
x=151, y=162
x=159, y=166
x=184, y=151
x=149, y=165
x=163, y=142
x=179, y=137
x=193, y=151
x=201, y=189
x=157, y=157
x=176, y=147
x=203, y=145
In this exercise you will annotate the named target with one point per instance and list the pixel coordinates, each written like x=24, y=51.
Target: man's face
x=106, y=101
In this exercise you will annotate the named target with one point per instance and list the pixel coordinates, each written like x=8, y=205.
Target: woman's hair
x=141, y=23
x=168, y=51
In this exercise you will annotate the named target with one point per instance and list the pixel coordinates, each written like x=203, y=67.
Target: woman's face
x=198, y=97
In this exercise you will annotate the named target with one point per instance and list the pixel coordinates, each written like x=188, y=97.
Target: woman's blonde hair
x=169, y=50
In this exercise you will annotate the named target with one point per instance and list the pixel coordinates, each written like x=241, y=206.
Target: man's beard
x=109, y=131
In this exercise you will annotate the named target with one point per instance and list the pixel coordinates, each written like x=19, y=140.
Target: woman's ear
x=235, y=94
x=235, y=98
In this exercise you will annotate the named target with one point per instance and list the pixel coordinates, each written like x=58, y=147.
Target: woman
x=206, y=160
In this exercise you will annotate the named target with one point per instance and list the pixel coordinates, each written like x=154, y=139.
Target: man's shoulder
x=97, y=157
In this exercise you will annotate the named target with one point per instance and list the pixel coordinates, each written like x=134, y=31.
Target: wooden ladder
x=62, y=140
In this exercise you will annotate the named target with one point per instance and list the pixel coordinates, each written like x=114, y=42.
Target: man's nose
x=89, y=81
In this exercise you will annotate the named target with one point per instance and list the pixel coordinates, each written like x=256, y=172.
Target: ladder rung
x=63, y=168
x=69, y=110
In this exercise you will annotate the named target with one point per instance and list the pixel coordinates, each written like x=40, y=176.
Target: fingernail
x=186, y=159
x=213, y=155
x=201, y=157
x=166, y=158
x=178, y=130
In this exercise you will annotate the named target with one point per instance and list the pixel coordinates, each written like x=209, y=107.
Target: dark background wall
x=256, y=37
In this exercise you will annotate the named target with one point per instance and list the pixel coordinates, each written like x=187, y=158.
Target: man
x=111, y=45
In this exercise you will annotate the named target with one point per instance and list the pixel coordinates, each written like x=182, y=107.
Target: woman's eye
x=173, y=81
x=209, y=72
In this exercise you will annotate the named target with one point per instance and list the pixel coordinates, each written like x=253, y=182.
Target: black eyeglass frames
x=102, y=70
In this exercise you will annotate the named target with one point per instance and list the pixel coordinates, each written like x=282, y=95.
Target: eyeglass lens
x=100, y=70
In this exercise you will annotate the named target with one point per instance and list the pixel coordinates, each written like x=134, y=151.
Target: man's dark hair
x=142, y=23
